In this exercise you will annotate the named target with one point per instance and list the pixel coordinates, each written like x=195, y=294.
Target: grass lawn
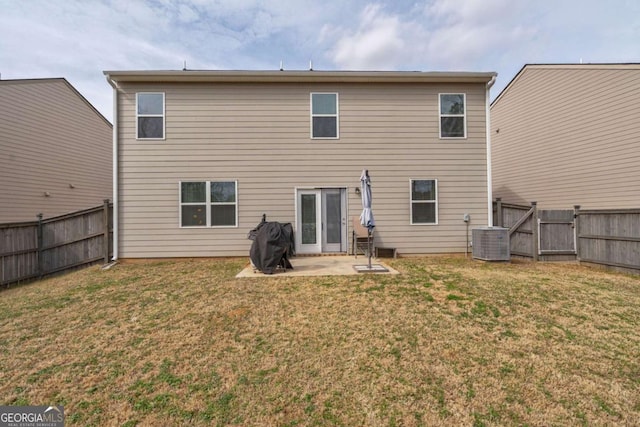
x=449, y=341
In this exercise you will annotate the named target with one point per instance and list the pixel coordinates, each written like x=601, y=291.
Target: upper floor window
x=209, y=204
x=424, y=201
x=150, y=115
x=324, y=115
x=453, y=115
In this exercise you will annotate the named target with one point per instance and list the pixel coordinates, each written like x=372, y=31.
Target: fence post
x=105, y=225
x=40, y=247
x=576, y=230
x=499, y=218
x=535, y=230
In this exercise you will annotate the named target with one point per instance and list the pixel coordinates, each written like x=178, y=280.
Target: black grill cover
x=272, y=246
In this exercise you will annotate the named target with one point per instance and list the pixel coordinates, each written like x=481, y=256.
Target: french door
x=321, y=221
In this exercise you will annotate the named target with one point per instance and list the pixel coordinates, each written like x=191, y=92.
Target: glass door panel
x=309, y=219
x=332, y=220
x=308, y=226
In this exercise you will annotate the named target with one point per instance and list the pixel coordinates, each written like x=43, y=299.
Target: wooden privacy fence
x=31, y=250
x=606, y=237
x=609, y=237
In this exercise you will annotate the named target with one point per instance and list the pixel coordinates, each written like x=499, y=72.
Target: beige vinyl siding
x=259, y=135
x=51, y=138
x=569, y=135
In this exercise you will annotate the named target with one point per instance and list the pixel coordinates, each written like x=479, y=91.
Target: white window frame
x=208, y=203
x=463, y=115
x=163, y=115
x=336, y=115
x=411, y=201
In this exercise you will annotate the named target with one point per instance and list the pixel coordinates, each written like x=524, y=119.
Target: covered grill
x=273, y=244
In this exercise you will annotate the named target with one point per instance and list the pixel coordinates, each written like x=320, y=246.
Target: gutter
x=116, y=205
x=226, y=76
x=489, y=170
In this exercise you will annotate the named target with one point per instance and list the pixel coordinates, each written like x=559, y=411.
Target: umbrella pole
x=369, y=245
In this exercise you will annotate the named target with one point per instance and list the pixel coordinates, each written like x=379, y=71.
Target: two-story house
x=200, y=156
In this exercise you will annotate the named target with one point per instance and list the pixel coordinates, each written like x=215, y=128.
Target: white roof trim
x=192, y=76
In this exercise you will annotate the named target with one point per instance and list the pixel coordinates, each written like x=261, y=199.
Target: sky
x=79, y=39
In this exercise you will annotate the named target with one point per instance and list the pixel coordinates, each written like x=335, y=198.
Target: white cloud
x=468, y=12
x=444, y=34
x=186, y=14
x=376, y=43
x=468, y=35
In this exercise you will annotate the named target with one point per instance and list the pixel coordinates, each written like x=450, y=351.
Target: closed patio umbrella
x=366, y=218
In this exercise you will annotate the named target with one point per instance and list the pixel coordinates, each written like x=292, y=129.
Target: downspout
x=489, y=177
x=114, y=85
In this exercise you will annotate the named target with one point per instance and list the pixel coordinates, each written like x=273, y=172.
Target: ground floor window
x=208, y=204
x=424, y=201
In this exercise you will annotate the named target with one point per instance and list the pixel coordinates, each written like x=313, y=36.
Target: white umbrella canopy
x=366, y=218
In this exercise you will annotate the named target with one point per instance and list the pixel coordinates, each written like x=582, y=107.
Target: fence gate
x=556, y=234
x=548, y=235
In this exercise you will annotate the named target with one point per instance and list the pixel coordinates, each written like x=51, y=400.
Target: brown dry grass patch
x=447, y=342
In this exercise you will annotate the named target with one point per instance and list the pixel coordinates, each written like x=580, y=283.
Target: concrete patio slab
x=338, y=265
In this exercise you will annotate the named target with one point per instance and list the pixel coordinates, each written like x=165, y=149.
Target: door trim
x=321, y=245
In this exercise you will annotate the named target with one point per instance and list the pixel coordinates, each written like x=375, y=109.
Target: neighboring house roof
x=567, y=66
x=192, y=76
x=54, y=79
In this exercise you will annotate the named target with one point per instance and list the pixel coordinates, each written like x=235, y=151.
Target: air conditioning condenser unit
x=491, y=244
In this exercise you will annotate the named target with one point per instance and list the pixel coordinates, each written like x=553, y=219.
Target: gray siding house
x=202, y=155
x=568, y=134
x=55, y=150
